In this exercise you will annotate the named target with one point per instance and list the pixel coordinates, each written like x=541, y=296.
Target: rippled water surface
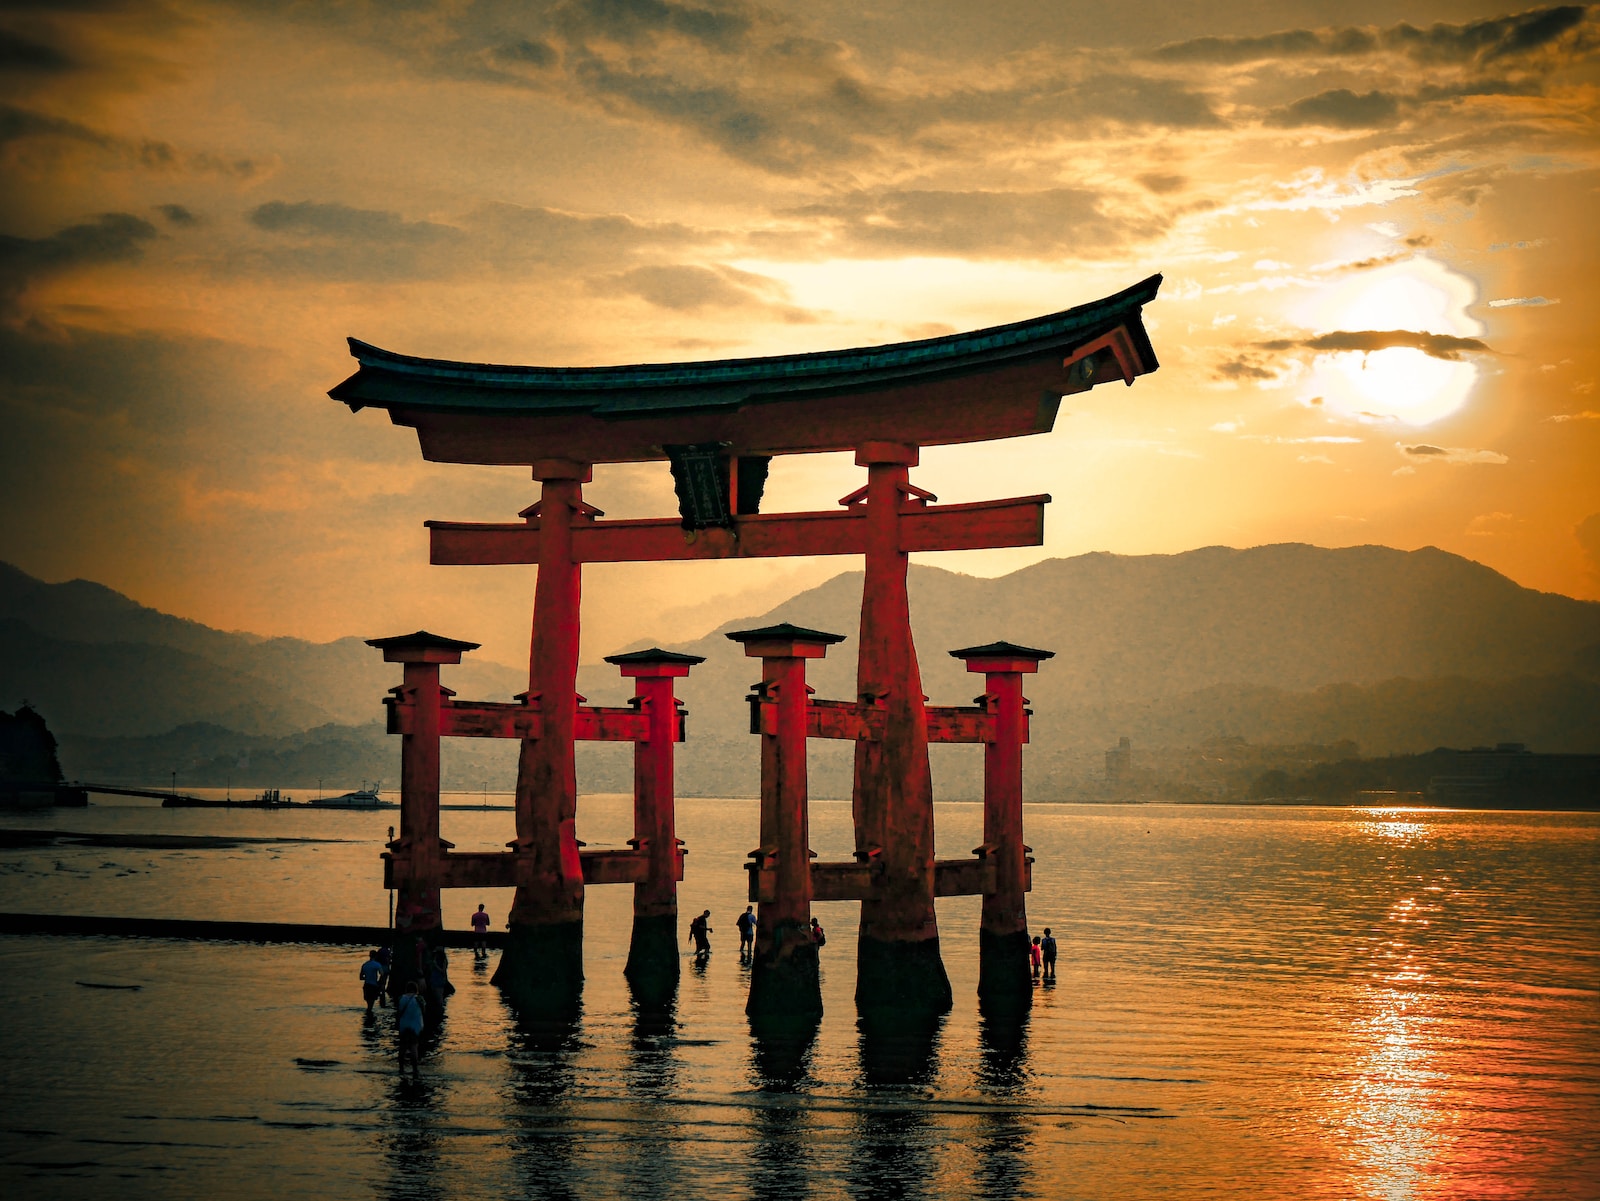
x=1251, y=1002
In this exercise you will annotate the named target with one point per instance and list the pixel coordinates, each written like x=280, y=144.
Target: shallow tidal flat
x=1267, y=1002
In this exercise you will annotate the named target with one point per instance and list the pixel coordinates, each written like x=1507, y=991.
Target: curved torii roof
x=999, y=382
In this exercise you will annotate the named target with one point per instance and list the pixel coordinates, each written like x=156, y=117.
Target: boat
x=269, y=798
x=365, y=797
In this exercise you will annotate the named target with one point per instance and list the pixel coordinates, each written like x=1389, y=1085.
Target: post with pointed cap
x=1004, y=984
x=784, y=985
x=653, y=963
x=412, y=861
x=542, y=966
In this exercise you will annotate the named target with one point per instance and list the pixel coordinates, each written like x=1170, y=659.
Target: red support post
x=416, y=857
x=899, y=968
x=653, y=961
x=1003, y=976
x=783, y=978
x=543, y=962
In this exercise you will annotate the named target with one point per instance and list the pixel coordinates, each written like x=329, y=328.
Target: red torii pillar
x=1004, y=980
x=543, y=959
x=417, y=911
x=653, y=961
x=783, y=977
x=898, y=964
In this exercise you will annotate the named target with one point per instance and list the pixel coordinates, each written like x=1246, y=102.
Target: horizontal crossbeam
x=983, y=525
x=493, y=719
x=507, y=869
x=853, y=722
x=860, y=881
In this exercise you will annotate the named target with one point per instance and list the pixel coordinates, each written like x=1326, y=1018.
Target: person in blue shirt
x=372, y=975
x=408, y=1020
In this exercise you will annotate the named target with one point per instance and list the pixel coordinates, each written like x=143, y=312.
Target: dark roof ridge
x=930, y=351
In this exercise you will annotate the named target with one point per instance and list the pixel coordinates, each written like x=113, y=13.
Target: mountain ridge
x=1399, y=650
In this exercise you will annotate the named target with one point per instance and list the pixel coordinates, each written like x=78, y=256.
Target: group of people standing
x=420, y=999
x=699, y=930
x=1042, y=951
x=419, y=992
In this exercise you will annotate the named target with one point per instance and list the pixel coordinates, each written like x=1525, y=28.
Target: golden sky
x=1376, y=222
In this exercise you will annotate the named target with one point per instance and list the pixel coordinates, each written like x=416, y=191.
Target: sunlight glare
x=1396, y=383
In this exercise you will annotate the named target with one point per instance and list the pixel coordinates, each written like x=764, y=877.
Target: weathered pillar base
x=785, y=987
x=781, y=1048
x=653, y=963
x=541, y=968
x=901, y=978
x=1005, y=977
x=899, y=1049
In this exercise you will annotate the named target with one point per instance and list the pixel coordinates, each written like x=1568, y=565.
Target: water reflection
x=899, y=1051
x=780, y=1063
x=1004, y=1146
x=542, y=1060
x=896, y=1140
x=1391, y=1110
x=1003, y=1056
x=1396, y=824
x=652, y=1150
x=411, y=1138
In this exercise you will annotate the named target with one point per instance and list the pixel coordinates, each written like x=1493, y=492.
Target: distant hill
x=96, y=663
x=1398, y=651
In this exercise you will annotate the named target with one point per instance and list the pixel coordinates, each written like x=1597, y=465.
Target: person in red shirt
x=480, y=933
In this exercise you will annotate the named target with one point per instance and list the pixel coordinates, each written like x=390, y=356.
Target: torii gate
x=718, y=424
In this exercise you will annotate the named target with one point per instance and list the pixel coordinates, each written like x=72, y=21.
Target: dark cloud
x=339, y=241
x=21, y=55
x=511, y=235
x=177, y=214
x=310, y=218
x=525, y=52
x=1162, y=184
x=1424, y=452
x=1482, y=42
x=18, y=123
x=1243, y=367
x=1488, y=41
x=1381, y=260
x=108, y=238
x=1438, y=346
x=723, y=27
x=688, y=288
x=1290, y=43
x=1045, y=223
x=1135, y=100
x=1339, y=109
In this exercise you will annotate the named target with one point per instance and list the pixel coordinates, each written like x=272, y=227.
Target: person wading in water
x=700, y=932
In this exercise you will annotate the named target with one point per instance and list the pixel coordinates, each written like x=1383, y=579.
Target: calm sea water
x=1252, y=1002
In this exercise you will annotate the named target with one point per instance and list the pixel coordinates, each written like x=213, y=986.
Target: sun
x=1397, y=383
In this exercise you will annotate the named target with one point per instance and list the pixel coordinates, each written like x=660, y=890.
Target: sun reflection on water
x=1395, y=823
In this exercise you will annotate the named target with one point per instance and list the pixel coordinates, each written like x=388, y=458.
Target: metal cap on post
x=785, y=641
x=654, y=662
x=995, y=657
x=422, y=647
